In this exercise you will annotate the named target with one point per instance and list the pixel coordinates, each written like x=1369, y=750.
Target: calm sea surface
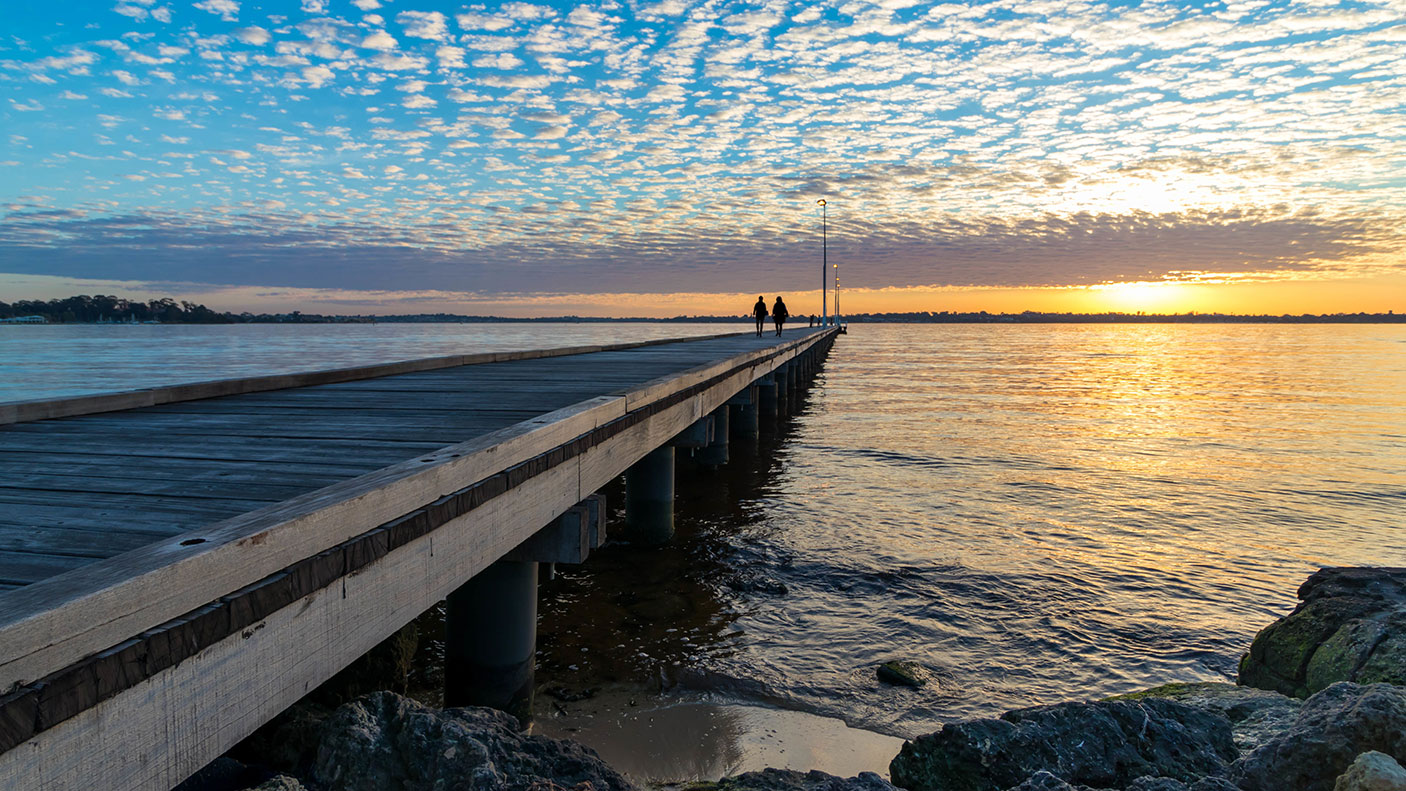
x=1035, y=512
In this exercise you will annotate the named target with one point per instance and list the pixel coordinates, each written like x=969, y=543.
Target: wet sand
x=680, y=740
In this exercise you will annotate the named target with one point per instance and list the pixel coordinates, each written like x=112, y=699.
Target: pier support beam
x=490, y=639
x=714, y=454
x=649, y=498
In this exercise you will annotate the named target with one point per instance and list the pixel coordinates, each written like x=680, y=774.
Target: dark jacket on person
x=779, y=311
x=759, y=309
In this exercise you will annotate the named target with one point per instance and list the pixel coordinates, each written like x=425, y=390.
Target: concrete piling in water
x=783, y=391
x=766, y=389
x=649, y=498
x=490, y=644
x=714, y=454
x=744, y=424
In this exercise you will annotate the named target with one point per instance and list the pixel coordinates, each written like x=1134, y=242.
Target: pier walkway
x=179, y=565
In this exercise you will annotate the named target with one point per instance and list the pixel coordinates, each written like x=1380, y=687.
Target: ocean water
x=1034, y=513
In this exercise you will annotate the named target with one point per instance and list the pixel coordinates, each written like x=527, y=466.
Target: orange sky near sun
x=1379, y=294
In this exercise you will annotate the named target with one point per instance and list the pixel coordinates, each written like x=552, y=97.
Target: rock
x=903, y=674
x=1256, y=716
x=1372, y=771
x=1106, y=744
x=1349, y=626
x=1149, y=783
x=385, y=741
x=789, y=780
x=1331, y=730
x=280, y=783
x=1044, y=781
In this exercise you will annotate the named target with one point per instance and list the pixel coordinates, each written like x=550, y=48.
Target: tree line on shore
x=85, y=309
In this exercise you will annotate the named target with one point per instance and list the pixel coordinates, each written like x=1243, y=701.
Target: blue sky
x=403, y=151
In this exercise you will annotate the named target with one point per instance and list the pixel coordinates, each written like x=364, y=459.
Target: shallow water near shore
x=1035, y=513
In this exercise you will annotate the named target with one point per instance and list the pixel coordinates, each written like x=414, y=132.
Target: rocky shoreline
x=1320, y=706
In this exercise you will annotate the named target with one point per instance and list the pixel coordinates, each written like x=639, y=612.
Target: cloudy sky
x=406, y=155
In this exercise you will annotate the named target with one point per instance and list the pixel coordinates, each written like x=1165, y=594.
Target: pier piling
x=714, y=454
x=490, y=639
x=649, y=498
x=743, y=423
x=766, y=389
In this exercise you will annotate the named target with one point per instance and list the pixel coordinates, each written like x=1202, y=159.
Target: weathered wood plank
x=230, y=448
x=94, y=543
x=59, y=485
x=23, y=568
x=173, y=469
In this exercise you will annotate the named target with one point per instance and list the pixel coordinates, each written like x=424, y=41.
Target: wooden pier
x=179, y=565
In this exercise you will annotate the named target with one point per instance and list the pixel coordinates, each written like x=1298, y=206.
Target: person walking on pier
x=759, y=312
x=779, y=314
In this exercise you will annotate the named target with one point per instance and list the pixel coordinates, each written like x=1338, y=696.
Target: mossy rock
x=1339, y=657
x=903, y=674
x=1388, y=659
x=1280, y=654
x=1174, y=691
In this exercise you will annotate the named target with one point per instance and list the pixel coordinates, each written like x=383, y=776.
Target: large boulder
x=1332, y=729
x=1350, y=625
x=1372, y=771
x=1044, y=781
x=385, y=741
x=1257, y=716
x=1106, y=744
x=789, y=780
x=280, y=783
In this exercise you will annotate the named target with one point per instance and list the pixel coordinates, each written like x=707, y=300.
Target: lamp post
x=824, y=244
x=837, y=294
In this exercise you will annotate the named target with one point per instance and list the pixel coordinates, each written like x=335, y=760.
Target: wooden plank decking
x=152, y=543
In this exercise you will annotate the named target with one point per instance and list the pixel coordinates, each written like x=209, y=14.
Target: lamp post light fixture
x=824, y=244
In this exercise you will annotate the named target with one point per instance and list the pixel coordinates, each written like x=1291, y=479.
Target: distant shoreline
x=115, y=310
x=877, y=318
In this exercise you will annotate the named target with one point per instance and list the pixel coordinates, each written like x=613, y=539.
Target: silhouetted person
x=759, y=312
x=779, y=314
x=812, y=319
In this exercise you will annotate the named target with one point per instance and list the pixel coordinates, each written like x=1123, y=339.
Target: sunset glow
x=411, y=156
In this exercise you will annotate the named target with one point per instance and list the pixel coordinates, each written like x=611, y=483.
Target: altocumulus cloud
x=682, y=145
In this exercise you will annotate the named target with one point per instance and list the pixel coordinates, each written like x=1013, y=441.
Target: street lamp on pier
x=837, y=293
x=824, y=244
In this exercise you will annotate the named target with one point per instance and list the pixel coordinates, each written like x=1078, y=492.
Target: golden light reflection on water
x=1035, y=512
